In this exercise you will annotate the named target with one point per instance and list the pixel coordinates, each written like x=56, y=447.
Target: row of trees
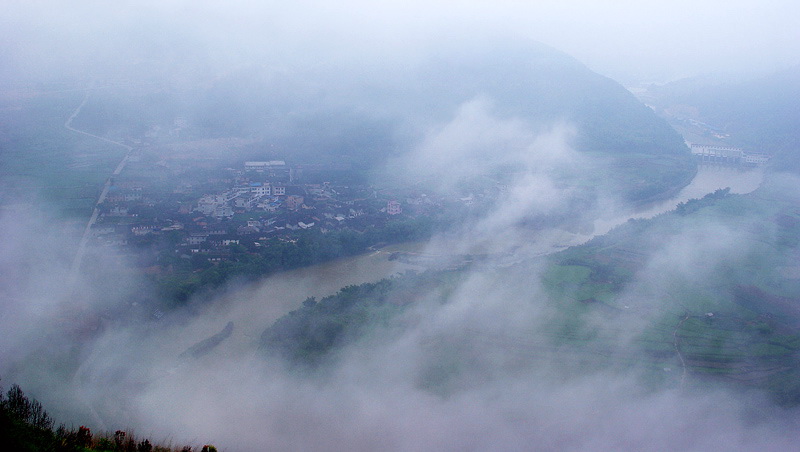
x=311, y=335
x=307, y=335
x=695, y=204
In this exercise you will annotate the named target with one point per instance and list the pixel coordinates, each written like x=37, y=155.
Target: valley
x=399, y=227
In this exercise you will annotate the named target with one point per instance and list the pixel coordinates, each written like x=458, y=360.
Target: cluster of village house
x=248, y=213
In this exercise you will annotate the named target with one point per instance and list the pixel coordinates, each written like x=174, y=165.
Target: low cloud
x=486, y=365
x=527, y=169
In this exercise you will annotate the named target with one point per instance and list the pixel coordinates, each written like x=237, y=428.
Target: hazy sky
x=623, y=39
x=375, y=397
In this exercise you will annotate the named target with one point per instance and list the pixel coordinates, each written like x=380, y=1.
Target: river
x=253, y=307
x=153, y=360
x=708, y=179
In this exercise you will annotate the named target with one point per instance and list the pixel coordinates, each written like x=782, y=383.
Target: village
x=205, y=215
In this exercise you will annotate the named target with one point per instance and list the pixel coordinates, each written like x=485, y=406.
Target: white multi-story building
x=260, y=189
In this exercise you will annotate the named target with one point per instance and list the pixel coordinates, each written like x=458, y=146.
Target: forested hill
x=363, y=109
x=536, y=82
x=375, y=106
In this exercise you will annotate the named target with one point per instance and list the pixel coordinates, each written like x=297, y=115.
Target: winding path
x=78, y=260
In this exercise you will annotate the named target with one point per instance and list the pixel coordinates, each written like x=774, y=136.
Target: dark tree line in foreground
x=26, y=426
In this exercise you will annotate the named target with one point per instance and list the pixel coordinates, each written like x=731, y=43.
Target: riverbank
x=255, y=305
x=258, y=304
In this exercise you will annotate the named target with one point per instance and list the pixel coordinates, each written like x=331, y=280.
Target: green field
x=735, y=317
x=696, y=296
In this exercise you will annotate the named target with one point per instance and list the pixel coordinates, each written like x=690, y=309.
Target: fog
x=504, y=386
x=473, y=368
x=631, y=41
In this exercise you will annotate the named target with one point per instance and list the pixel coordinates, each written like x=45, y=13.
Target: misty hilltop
x=522, y=79
x=364, y=109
